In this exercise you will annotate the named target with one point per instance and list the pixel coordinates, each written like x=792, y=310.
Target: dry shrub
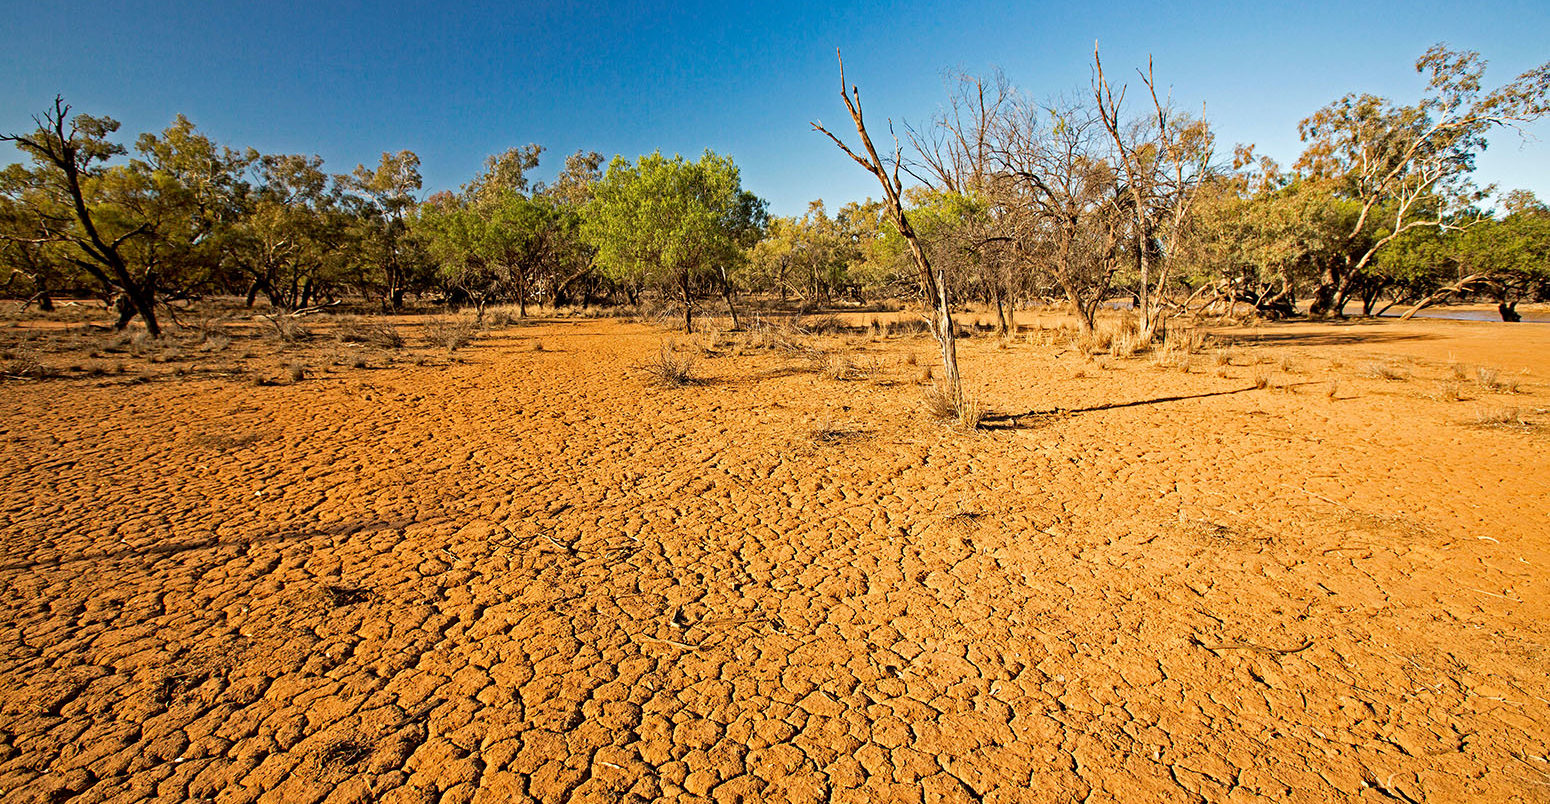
x=1499, y=417
x=451, y=333
x=1492, y=380
x=670, y=368
x=288, y=329
x=940, y=404
x=1260, y=378
x=1384, y=371
x=1457, y=371
x=297, y=372
x=1222, y=357
x=24, y=365
x=380, y=334
x=1288, y=364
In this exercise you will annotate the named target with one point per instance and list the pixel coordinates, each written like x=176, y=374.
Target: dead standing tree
x=933, y=284
x=1166, y=159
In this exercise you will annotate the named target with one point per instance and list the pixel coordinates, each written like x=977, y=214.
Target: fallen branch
x=1249, y=646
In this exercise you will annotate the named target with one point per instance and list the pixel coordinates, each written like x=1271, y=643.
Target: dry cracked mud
x=534, y=575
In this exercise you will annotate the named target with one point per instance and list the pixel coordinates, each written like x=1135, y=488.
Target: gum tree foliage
x=381, y=200
x=1505, y=256
x=1408, y=167
x=73, y=198
x=670, y=223
x=507, y=237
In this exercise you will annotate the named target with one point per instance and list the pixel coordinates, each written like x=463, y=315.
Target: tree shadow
x=1016, y=421
x=1347, y=332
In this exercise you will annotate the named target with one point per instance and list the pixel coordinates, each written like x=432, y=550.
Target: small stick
x=1247, y=646
x=683, y=645
x=567, y=548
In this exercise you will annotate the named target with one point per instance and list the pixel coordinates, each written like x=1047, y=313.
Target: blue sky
x=457, y=81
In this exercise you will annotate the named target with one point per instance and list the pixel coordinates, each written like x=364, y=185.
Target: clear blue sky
x=457, y=81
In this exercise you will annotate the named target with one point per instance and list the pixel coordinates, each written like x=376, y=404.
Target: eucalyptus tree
x=69, y=180
x=380, y=201
x=287, y=240
x=668, y=222
x=1164, y=158
x=1409, y=167
x=1057, y=180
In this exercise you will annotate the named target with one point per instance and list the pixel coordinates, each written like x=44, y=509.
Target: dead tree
x=933, y=283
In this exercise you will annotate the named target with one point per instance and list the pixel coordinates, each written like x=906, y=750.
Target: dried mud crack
x=541, y=576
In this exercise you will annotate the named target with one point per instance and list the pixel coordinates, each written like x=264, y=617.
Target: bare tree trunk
x=933, y=285
x=683, y=284
x=1442, y=293
x=726, y=293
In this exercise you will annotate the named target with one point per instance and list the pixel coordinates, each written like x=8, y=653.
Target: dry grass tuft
x=451, y=334
x=1449, y=391
x=1492, y=380
x=940, y=404
x=1222, y=357
x=672, y=369
x=1260, y=378
x=1508, y=418
x=1384, y=371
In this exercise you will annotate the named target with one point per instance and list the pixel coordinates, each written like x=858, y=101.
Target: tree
x=1165, y=157
x=933, y=284
x=70, y=157
x=1410, y=165
x=1061, y=190
x=381, y=202
x=667, y=222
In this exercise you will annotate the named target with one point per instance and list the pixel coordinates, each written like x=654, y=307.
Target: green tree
x=1409, y=166
x=70, y=170
x=380, y=200
x=668, y=222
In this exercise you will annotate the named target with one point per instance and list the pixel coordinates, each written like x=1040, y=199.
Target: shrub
x=451, y=333
x=1384, y=371
x=672, y=369
x=380, y=334
x=288, y=329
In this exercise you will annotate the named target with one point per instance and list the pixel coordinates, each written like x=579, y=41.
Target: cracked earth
x=533, y=575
